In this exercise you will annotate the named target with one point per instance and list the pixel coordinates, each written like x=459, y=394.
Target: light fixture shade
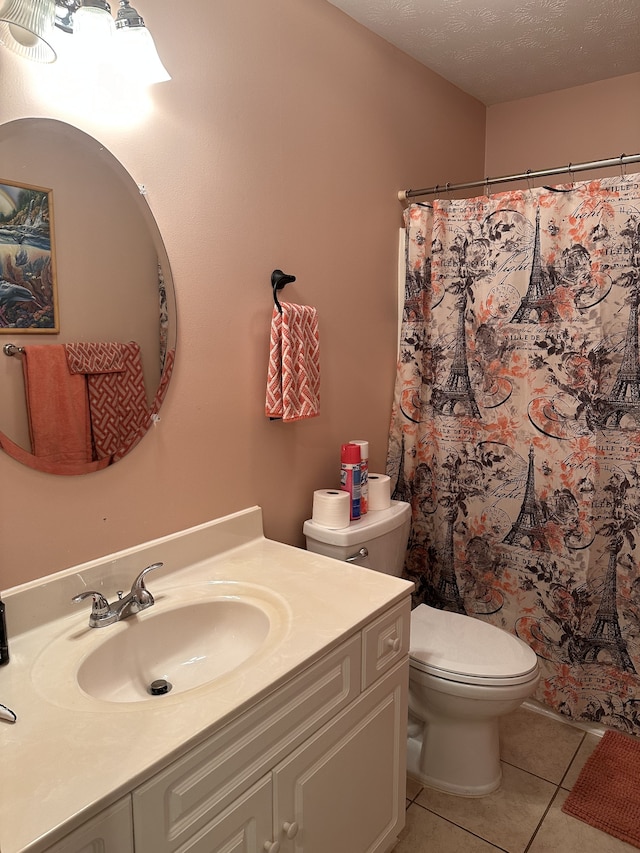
x=27, y=27
x=138, y=55
x=92, y=22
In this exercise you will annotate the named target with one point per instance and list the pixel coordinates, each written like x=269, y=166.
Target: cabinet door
x=109, y=832
x=344, y=788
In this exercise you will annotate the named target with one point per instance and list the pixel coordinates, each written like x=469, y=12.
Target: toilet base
x=466, y=764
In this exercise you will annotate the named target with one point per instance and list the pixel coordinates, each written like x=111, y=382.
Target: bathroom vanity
x=296, y=742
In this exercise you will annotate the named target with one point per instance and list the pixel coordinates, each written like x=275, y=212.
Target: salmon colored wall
x=281, y=141
x=585, y=123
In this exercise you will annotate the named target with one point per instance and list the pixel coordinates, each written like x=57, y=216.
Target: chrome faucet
x=103, y=613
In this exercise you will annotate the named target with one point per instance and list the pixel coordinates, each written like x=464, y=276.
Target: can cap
x=363, y=445
x=350, y=454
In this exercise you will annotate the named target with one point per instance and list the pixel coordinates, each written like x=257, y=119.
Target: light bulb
x=138, y=56
x=24, y=37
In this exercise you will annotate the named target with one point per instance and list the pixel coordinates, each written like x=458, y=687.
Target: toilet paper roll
x=331, y=508
x=379, y=492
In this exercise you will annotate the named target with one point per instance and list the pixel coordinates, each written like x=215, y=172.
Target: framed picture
x=28, y=289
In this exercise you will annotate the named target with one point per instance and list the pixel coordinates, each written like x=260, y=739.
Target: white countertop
x=68, y=755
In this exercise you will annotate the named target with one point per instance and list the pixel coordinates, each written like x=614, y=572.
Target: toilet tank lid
x=373, y=524
x=467, y=646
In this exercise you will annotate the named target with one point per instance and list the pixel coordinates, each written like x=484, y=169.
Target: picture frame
x=28, y=285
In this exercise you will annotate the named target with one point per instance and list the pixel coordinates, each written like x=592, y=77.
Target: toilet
x=464, y=674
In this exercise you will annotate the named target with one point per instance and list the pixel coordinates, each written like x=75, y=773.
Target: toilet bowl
x=464, y=674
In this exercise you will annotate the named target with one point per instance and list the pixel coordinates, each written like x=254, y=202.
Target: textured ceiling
x=501, y=50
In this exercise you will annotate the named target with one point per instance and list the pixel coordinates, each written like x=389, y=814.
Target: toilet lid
x=461, y=648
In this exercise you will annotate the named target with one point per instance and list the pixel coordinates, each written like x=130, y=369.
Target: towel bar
x=12, y=349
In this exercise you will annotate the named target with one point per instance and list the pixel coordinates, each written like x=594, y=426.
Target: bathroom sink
x=174, y=650
x=190, y=638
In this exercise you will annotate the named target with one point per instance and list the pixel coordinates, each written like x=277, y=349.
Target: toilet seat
x=460, y=648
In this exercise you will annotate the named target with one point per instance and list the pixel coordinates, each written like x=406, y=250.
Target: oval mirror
x=87, y=304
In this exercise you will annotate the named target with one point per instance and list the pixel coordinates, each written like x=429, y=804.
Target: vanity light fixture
x=26, y=28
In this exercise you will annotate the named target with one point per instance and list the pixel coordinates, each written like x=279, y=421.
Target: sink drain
x=159, y=687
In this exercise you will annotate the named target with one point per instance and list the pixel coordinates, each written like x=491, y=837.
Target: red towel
x=293, y=380
x=117, y=396
x=57, y=406
x=89, y=357
x=145, y=425
x=40, y=464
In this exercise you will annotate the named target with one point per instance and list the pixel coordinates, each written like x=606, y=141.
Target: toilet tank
x=384, y=533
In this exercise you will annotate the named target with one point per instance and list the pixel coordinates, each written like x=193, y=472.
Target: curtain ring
x=486, y=186
x=623, y=168
x=529, y=179
x=446, y=189
x=571, y=175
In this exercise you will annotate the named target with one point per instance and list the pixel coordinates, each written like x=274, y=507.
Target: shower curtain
x=515, y=431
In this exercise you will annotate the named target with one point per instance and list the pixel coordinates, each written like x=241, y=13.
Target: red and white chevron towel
x=293, y=380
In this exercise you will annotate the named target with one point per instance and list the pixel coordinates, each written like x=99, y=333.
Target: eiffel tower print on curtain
x=448, y=590
x=537, y=305
x=527, y=530
x=625, y=395
x=605, y=634
x=457, y=390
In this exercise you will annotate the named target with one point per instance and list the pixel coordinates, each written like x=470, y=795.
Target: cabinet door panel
x=245, y=827
x=344, y=788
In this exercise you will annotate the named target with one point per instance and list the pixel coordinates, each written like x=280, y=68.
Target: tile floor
x=541, y=759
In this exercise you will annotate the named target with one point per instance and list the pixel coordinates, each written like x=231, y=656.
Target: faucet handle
x=100, y=604
x=101, y=613
x=139, y=590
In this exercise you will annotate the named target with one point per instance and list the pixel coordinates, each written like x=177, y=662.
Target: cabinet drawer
x=385, y=642
x=195, y=788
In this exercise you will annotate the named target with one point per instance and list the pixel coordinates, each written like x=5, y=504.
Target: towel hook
x=278, y=281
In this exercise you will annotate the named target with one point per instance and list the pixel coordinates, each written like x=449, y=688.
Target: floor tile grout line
x=462, y=828
x=542, y=819
x=572, y=760
x=544, y=778
x=530, y=772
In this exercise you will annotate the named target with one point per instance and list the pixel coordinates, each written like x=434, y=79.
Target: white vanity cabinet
x=109, y=832
x=318, y=765
x=298, y=748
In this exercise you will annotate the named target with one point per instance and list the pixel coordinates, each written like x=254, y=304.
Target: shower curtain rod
x=622, y=160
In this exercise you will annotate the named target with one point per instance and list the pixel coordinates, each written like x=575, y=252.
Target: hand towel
x=117, y=394
x=39, y=464
x=293, y=378
x=57, y=406
x=90, y=357
x=147, y=423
